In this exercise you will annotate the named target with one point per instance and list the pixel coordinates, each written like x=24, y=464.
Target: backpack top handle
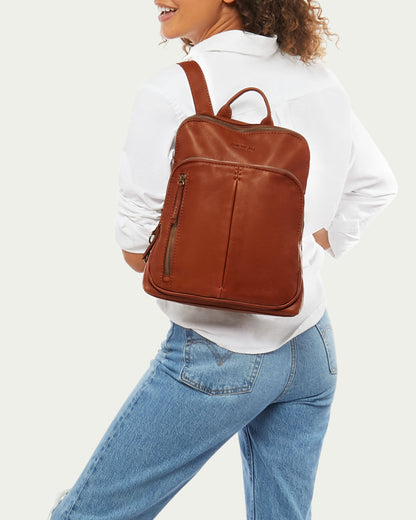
x=225, y=111
x=201, y=97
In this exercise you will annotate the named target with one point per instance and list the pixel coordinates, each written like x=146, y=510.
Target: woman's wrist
x=321, y=238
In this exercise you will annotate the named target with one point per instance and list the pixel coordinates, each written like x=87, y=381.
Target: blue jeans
x=195, y=396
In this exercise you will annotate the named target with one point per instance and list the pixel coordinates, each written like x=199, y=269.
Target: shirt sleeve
x=145, y=168
x=369, y=187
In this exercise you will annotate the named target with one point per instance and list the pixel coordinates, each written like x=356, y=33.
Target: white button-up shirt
x=349, y=180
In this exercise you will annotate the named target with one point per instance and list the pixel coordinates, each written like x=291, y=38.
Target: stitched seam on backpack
x=237, y=173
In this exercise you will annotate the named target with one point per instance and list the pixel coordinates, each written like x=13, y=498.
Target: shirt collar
x=237, y=40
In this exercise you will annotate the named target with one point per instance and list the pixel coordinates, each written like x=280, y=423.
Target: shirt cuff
x=134, y=225
x=343, y=234
x=130, y=237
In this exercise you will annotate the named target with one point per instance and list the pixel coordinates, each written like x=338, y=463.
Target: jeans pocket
x=216, y=370
x=326, y=332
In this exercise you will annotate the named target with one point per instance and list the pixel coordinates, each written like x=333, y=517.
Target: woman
x=270, y=379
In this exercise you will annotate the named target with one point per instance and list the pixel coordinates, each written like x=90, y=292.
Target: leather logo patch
x=244, y=147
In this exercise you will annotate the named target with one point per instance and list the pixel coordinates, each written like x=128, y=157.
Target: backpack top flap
x=222, y=138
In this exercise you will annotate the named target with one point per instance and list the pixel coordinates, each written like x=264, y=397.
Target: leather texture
x=230, y=232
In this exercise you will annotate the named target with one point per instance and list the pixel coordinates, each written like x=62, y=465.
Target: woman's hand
x=321, y=238
x=135, y=261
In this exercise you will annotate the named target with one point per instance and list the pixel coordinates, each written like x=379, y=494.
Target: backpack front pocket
x=199, y=223
x=232, y=230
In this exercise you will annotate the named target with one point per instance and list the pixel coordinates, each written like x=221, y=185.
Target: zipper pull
x=154, y=234
x=178, y=199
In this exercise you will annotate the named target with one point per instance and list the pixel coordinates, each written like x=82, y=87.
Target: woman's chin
x=169, y=34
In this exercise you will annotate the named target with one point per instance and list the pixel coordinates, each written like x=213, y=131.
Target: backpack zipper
x=245, y=127
x=174, y=223
x=155, y=234
x=283, y=171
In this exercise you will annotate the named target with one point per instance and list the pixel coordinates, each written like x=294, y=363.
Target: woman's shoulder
x=312, y=77
x=170, y=80
x=170, y=84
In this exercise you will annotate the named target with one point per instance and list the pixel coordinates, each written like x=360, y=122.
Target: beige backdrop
x=77, y=330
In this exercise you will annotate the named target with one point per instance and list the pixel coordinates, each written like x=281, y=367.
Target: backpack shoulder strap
x=199, y=89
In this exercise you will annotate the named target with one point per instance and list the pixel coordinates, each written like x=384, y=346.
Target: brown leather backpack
x=230, y=231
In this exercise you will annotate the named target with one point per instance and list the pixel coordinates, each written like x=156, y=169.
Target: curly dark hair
x=299, y=25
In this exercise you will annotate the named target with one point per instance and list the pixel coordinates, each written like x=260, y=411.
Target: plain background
x=77, y=330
